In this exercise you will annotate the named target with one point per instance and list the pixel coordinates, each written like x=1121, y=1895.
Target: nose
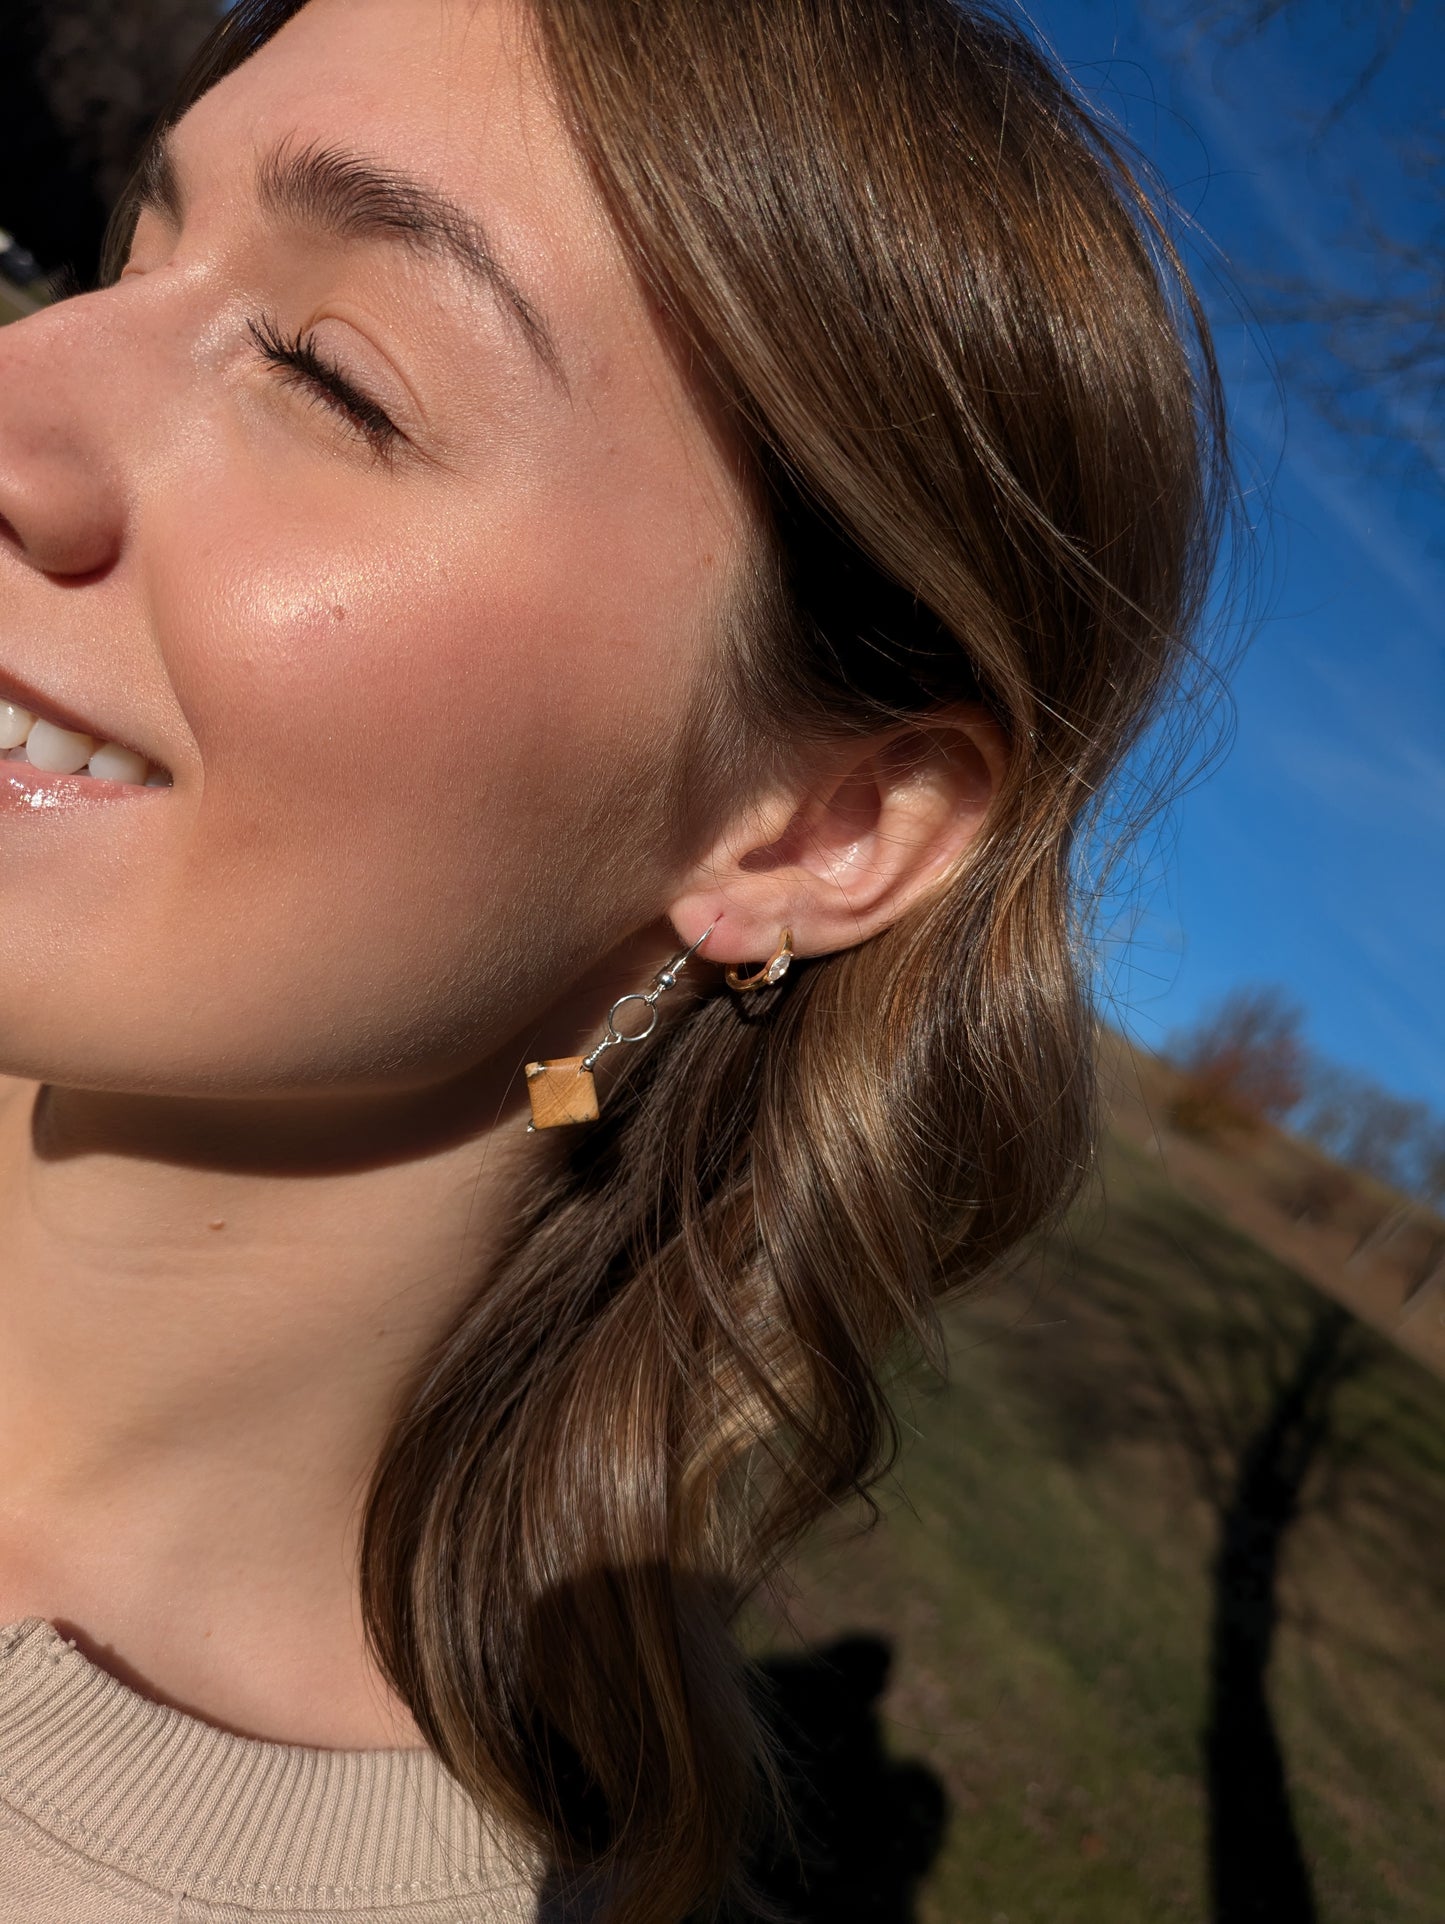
x=62, y=500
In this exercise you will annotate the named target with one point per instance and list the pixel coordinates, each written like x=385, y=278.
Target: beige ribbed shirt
x=117, y=1810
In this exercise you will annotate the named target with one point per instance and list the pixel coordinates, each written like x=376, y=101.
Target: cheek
x=426, y=785
x=418, y=768
x=444, y=695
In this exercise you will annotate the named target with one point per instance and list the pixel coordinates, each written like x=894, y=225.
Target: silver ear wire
x=664, y=980
x=561, y=1089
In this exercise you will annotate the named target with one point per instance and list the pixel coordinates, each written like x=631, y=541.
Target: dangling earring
x=773, y=970
x=563, y=1090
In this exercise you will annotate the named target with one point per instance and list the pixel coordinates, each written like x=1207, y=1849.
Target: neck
x=208, y=1315
x=211, y=1313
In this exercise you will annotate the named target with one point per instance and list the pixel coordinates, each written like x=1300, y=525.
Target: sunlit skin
x=264, y=1029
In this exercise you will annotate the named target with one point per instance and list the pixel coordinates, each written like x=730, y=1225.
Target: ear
x=836, y=860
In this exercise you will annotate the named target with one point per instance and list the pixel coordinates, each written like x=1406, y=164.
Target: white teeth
x=15, y=724
x=112, y=763
x=64, y=751
x=56, y=750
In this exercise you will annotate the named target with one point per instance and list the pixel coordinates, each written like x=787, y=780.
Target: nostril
x=73, y=543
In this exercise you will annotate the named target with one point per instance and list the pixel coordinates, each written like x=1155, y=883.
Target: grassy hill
x=1153, y=1618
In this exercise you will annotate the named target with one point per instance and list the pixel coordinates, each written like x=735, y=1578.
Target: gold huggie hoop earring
x=563, y=1090
x=773, y=970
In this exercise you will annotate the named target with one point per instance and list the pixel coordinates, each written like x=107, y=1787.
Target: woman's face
x=413, y=618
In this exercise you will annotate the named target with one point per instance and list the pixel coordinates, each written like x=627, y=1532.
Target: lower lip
x=25, y=789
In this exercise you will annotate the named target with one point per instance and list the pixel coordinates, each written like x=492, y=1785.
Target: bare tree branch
x=1368, y=348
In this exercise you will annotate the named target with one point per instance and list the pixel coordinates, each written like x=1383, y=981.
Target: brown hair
x=979, y=392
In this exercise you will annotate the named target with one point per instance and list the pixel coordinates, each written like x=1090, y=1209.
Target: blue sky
x=1314, y=855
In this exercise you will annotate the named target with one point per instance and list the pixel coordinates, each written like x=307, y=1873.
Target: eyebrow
x=350, y=198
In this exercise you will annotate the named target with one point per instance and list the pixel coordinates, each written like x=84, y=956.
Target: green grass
x=1043, y=1575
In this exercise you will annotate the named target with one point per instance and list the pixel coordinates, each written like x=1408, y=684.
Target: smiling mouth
x=50, y=748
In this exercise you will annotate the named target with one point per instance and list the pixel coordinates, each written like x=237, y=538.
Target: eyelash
x=301, y=364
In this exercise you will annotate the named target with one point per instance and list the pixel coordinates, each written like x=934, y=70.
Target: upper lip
x=46, y=708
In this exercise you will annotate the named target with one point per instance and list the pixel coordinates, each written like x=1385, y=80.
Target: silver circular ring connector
x=665, y=979
x=638, y=1035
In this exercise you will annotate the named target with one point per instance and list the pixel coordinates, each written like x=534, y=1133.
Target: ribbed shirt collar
x=190, y=1808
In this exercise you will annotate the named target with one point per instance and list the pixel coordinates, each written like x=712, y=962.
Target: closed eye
x=302, y=364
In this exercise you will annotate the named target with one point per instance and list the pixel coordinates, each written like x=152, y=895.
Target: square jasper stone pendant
x=561, y=1091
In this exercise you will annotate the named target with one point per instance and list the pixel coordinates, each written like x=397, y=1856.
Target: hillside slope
x=1154, y=1607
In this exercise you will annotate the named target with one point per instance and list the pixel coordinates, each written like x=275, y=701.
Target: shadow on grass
x=1258, y=1873
x=1226, y=1358
x=865, y=1829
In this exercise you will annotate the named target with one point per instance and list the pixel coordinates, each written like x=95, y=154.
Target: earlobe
x=844, y=857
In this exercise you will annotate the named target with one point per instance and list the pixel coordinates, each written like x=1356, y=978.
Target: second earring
x=773, y=970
